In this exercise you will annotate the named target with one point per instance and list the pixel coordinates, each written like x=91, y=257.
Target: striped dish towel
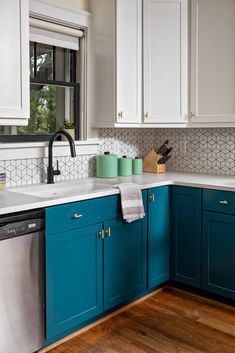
x=131, y=201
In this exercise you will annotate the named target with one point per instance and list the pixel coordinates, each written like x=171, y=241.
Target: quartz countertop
x=15, y=201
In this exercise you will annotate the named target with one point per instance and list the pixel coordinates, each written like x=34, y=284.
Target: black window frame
x=54, y=82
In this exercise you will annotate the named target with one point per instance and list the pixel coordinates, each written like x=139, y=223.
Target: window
x=54, y=87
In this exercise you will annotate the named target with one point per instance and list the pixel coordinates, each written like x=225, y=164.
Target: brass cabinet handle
x=152, y=198
x=76, y=216
x=101, y=234
x=146, y=115
x=224, y=202
x=193, y=115
x=120, y=115
x=108, y=231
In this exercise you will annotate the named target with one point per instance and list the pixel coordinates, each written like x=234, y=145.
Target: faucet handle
x=57, y=170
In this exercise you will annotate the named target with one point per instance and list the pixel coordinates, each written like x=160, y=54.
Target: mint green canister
x=124, y=166
x=137, y=166
x=106, y=165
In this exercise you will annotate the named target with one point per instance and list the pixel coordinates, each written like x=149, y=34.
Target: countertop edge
x=170, y=178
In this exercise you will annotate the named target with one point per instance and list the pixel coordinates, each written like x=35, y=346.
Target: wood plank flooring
x=172, y=321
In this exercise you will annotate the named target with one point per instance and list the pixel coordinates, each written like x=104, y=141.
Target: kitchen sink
x=62, y=189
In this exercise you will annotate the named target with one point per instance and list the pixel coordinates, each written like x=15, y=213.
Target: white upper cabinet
x=128, y=60
x=117, y=62
x=165, y=61
x=118, y=68
x=213, y=62
x=14, y=62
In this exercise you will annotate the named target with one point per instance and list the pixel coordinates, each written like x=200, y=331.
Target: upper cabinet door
x=14, y=62
x=213, y=61
x=128, y=60
x=165, y=61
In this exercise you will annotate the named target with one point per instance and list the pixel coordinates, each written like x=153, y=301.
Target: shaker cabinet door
x=213, y=61
x=186, y=235
x=74, y=279
x=14, y=62
x=158, y=236
x=218, y=245
x=165, y=61
x=128, y=60
x=125, y=262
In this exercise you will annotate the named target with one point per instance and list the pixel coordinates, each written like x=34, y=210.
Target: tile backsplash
x=22, y=172
x=209, y=151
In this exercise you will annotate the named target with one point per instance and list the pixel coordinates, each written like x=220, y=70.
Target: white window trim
x=51, y=10
x=65, y=15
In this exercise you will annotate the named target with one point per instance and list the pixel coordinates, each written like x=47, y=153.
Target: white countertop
x=14, y=202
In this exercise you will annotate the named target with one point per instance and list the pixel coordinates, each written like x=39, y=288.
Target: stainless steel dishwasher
x=22, y=282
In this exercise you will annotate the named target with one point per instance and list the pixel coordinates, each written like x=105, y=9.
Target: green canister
x=137, y=166
x=124, y=166
x=106, y=165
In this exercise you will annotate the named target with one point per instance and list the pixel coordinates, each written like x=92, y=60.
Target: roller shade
x=54, y=34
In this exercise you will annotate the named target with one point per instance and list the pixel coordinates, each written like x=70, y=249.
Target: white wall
x=79, y=4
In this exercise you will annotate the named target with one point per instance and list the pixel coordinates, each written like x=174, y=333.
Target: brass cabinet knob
x=108, y=232
x=101, y=234
x=146, y=115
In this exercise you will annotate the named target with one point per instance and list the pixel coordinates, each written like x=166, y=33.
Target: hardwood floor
x=172, y=321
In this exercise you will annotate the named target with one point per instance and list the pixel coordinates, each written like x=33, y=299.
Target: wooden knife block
x=150, y=163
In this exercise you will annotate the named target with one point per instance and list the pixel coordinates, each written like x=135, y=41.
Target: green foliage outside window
x=42, y=111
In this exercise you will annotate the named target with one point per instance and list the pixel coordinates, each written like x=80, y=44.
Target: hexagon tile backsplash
x=209, y=151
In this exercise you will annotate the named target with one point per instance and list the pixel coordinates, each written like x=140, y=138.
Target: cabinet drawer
x=78, y=214
x=219, y=201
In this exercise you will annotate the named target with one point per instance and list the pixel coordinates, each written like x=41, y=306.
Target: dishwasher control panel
x=16, y=229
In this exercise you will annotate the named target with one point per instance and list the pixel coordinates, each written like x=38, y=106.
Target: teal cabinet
x=91, y=268
x=125, y=261
x=186, y=235
x=158, y=236
x=218, y=274
x=74, y=280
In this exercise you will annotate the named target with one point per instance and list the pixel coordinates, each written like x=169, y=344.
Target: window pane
x=50, y=105
x=65, y=65
x=44, y=62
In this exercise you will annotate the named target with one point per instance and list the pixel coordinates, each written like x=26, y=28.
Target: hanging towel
x=131, y=201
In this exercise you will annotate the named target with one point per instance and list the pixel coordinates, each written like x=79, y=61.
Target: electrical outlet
x=183, y=148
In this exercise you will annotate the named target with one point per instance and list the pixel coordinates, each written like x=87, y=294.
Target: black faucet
x=50, y=170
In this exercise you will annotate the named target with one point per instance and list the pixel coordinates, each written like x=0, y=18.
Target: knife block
x=150, y=163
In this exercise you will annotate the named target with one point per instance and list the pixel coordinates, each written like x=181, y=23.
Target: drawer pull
x=224, y=202
x=152, y=198
x=76, y=216
x=108, y=232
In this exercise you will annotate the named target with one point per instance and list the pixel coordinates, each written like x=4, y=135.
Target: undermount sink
x=62, y=189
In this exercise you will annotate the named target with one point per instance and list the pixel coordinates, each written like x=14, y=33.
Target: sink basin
x=62, y=189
